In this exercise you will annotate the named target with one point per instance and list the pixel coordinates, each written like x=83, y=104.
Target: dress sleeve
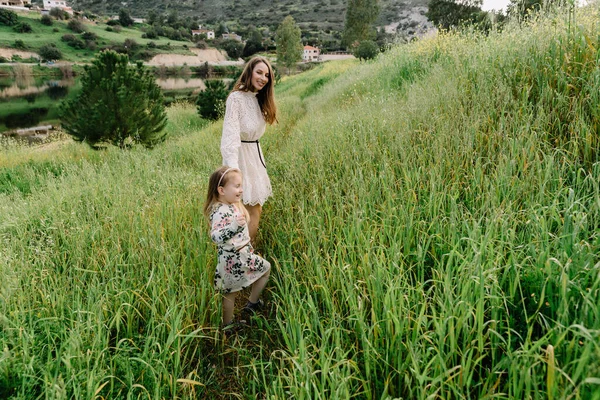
x=224, y=226
x=230, y=140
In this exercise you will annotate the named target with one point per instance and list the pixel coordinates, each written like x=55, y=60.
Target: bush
x=19, y=44
x=22, y=27
x=46, y=20
x=76, y=26
x=89, y=36
x=73, y=41
x=50, y=52
x=3, y=60
x=8, y=17
x=118, y=104
x=58, y=13
x=211, y=101
x=113, y=22
x=366, y=50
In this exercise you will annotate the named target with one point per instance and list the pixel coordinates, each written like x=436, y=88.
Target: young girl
x=249, y=108
x=237, y=267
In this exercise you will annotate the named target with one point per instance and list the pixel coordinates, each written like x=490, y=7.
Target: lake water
x=30, y=101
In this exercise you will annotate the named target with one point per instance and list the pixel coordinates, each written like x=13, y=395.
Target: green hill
x=324, y=14
x=434, y=233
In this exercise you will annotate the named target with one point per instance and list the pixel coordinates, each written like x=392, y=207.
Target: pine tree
x=119, y=104
x=360, y=16
x=211, y=101
x=289, y=45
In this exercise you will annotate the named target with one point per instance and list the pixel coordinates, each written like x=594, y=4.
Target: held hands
x=240, y=217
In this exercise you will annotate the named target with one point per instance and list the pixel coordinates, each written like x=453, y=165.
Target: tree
x=289, y=46
x=8, y=17
x=366, y=50
x=522, y=8
x=124, y=18
x=449, y=13
x=211, y=101
x=118, y=104
x=360, y=16
x=233, y=48
x=254, y=43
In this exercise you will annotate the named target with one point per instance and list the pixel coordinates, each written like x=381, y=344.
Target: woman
x=249, y=107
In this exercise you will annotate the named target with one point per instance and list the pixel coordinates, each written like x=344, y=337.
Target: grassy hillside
x=326, y=14
x=43, y=34
x=434, y=234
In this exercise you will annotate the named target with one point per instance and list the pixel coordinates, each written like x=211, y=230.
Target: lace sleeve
x=230, y=140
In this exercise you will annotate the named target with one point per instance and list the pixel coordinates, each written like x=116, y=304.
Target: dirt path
x=8, y=53
x=212, y=56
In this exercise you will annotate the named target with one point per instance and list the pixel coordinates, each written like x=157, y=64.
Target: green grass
x=43, y=34
x=433, y=235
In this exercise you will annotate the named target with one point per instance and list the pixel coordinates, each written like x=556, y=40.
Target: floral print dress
x=237, y=266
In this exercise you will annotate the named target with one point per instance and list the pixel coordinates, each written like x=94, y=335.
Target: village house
x=232, y=36
x=311, y=54
x=62, y=4
x=15, y=3
x=210, y=34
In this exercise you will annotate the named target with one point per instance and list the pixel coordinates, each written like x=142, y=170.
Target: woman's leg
x=258, y=286
x=228, y=303
x=254, y=212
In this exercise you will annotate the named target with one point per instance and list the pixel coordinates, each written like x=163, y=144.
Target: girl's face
x=231, y=193
x=260, y=76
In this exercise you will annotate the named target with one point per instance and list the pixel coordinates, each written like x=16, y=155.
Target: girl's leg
x=228, y=303
x=254, y=212
x=258, y=286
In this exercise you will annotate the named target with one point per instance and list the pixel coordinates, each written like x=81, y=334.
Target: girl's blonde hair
x=265, y=96
x=217, y=179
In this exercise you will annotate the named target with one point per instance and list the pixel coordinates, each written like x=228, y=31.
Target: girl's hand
x=241, y=219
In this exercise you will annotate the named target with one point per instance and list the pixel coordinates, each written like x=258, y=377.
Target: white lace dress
x=243, y=126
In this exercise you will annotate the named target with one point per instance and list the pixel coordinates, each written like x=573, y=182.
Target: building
x=311, y=54
x=210, y=34
x=15, y=3
x=62, y=4
x=232, y=36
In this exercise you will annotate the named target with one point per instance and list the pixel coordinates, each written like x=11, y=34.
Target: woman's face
x=260, y=76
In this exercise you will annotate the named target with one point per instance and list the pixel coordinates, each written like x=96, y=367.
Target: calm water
x=31, y=101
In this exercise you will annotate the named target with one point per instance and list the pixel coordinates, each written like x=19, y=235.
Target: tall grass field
x=434, y=234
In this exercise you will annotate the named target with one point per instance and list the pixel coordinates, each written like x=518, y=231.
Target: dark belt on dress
x=257, y=149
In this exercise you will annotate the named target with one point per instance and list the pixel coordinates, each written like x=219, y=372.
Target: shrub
x=46, y=20
x=76, y=26
x=8, y=17
x=113, y=22
x=3, y=59
x=58, y=13
x=211, y=101
x=366, y=50
x=73, y=41
x=89, y=36
x=19, y=44
x=22, y=27
x=50, y=52
x=118, y=104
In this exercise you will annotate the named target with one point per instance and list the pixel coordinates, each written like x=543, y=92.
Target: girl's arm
x=230, y=140
x=224, y=225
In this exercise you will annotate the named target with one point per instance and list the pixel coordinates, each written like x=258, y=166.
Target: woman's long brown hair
x=265, y=96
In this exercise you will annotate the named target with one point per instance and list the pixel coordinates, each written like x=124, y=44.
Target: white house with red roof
x=210, y=34
x=311, y=54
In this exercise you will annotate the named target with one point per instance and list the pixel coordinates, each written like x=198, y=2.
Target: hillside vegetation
x=42, y=35
x=435, y=233
x=325, y=14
